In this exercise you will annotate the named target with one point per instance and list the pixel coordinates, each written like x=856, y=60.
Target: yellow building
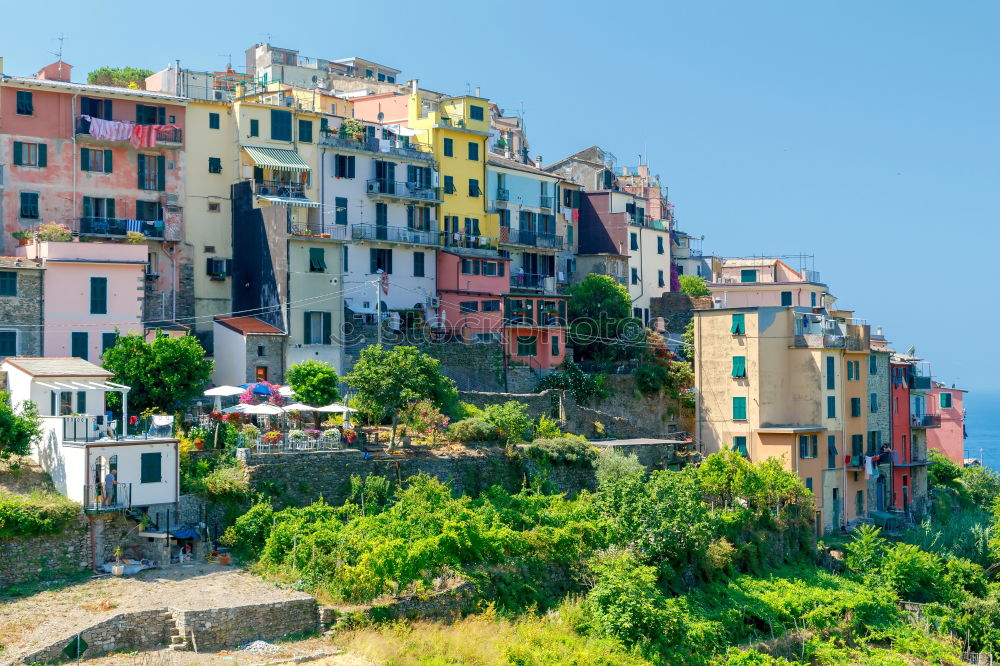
x=771, y=382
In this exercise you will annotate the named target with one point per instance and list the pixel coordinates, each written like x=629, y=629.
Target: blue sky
x=865, y=133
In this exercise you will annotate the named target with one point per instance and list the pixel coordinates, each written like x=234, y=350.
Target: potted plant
x=23, y=237
x=332, y=435
x=272, y=437
x=135, y=237
x=297, y=436
x=118, y=569
x=54, y=232
x=352, y=128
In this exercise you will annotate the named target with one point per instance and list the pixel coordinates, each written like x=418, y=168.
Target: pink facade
x=949, y=439
x=394, y=108
x=744, y=283
x=90, y=291
x=471, y=288
x=764, y=270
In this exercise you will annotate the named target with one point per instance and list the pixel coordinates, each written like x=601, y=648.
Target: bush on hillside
x=570, y=451
x=36, y=514
x=473, y=430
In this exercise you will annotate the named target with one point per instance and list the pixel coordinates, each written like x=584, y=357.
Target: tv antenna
x=229, y=59
x=59, y=54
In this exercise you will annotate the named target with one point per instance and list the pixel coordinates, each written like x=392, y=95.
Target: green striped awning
x=279, y=159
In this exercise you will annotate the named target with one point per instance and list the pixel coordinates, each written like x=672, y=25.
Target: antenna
x=58, y=54
x=229, y=59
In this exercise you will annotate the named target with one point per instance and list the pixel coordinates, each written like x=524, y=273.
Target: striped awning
x=290, y=201
x=279, y=159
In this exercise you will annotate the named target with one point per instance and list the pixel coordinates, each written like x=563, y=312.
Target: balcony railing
x=925, y=420
x=503, y=194
x=279, y=188
x=388, y=234
x=114, y=227
x=828, y=341
x=175, y=135
x=540, y=319
x=920, y=383
x=530, y=239
x=545, y=202
x=98, y=499
x=527, y=280
x=389, y=188
x=328, y=231
x=465, y=241
x=370, y=145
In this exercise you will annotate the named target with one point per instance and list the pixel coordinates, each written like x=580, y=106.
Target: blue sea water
x=982, y=423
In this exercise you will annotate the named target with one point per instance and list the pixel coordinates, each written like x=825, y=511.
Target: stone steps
x=177, y=640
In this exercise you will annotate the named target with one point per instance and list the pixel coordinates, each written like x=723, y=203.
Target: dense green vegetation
x=35, y=514
x=164, y=374
x=19, y=427
x=120, y=77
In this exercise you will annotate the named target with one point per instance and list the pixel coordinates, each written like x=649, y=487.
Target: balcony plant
x=54, y=232
x=352, y=129
x=297, y=435
x=332, y=435
x=23, y=237
x=134, y=237
x=272, y=437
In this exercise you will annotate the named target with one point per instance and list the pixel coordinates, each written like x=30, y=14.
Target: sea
x=982, y=424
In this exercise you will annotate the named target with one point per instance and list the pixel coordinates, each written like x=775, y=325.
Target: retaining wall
x=219, y=628
x=125, y=632
x=45, y=557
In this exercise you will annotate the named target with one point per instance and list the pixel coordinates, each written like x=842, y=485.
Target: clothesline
x=140, y=136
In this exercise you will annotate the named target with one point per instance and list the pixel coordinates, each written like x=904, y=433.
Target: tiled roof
x=249, y=326
x=19, y=262
x=86, y=87
x=57, y=367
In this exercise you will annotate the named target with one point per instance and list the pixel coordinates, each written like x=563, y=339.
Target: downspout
x=72, y=131
x=697, y=386
x=843, y=434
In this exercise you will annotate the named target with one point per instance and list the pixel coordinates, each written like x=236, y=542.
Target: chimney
x=878, y=331
x=1, y=64
x=413, y=86
x=644, y=170
x=538, y=161
x=57, y=71
x=477, y=92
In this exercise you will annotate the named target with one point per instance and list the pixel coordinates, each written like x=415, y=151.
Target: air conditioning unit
x=372, y=187
x=433, y=302
x=219, y=95
x=289, y=101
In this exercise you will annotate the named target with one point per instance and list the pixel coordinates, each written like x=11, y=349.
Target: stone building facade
x=21, y=318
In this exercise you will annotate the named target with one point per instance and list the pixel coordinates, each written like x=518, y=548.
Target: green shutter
x=43, y=154
x=107, y=161
x=87, y=207
x=161, y=115
x=161, y=172
x=739, y=409
x=739, y=366
x=307, y=328
x=81, y=402
x=327, y=328
x=350, y=166
x=18, y=160
x=739, y=325
x=98, y=295
x=109, y=206
x=84, y=159
x=150, y=468
x=141, y=170
x=373, y=260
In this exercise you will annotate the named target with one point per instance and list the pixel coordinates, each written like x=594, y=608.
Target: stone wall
x=25, y=310
x=219, y=628
x=677, y=309
x=125, y=632
x=45, y=557
x=273, y=358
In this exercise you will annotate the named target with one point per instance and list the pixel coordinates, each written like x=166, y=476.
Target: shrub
x=941, y=471
x=546, y=428
x=332, y=434
x=35, y=514
x=297, y=435
x=570, y=451
x=250, y=431
x=866, y=551
x=914, y=574
x=582, y=386
x=613, y=464
x=473, y=430
x=511, y=419
x=694, y=286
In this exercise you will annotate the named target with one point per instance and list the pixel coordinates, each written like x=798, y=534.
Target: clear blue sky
x=863, y=132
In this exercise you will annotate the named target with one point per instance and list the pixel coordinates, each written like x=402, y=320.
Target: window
x=474, y=187
x=739, y=366
x=555, y=345
x=850, y=370
x=65, y=402
x=659, y=245
x=260, y=350
x=680, y=269
x=340, y=206
x=95, y=160
x=740, y=446
x=475, y=112
x=633, y=241
x=152, y=172
x=30, y=154
x=8, y=343
x=857, y=447
x=150, y=468
x=81, y=402
x=738, y=326
x=527, y=345
x=808, y=446
x=474, y=150
x=739, y=409
x=369, y=74
x=380, y=260
x=281, y=125
x=317, y=260
x=786, y=298
x=569, y=234
x=418, y=264
x=872, y=364
x=25, y=106
x=108, y=341
x=213, y=121
x=318, y=328
x=449, y=148
x=29, y=205
x=659, y=278
x=8, y=283
x=449, y=185
x=468, y=306
x=873, y=402
x=98, y=295
x=809, y=483
x=855, y=407
x=215, y=165
x=148, y=210
x=79, y=343
x=150, y=115
x=944, y=400
x=859, y=502
x=831, y=381
x=831, y=451
x=254, y=127
x=831, y=407
x=306, y=131
x=748, y=275
x=95, y=208
x=812, y=299
x=635, y=276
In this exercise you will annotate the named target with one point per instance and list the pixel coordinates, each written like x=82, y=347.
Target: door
x=835, y=508
x=381, y=221
x=258, y=175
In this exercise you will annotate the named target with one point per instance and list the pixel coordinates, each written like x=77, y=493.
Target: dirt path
x=32, y=622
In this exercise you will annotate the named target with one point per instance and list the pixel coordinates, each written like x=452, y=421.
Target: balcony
x=98, y=499
x=117, y=228
x=283, y=192
x=173, y=137
x=827, y=341
x=530, y=239
x=545, y=202
x=377, y=232
x=379, y=188
x=371, y=145
x=920, y=383
x=465, y=243
x=922, y=421
x=319, y=231
x=530, y=281
x=503, y=194
x=522, y=319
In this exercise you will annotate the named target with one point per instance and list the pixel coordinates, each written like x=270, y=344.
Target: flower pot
x=117, y=569
x=23, y=241
x=199, y=444
x=224, y=560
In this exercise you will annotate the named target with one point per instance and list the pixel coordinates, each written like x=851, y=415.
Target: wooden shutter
x=43, y=156
x=161, y=172
x=388, y=261
x=18, y=159
x=141, y=170
x=150, y=468
x=411, y=173
x=87, y=207
x=81, y=402
x=107, y=109
x=327, y=328
x=138, y=113
x=307, y=328
x=107, y=161
x=85, y=159
x=350, y=166
x=109, y=206
x=373, y=256
x=161, y=115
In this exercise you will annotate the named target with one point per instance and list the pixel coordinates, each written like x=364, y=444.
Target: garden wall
x=25, y=560
x=125, y=632
x=219, y=628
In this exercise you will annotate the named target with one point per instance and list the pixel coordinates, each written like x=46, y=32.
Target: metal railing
x=545, y=202
x=371, y=145
x=106, y=226
x=415, y=191
x=827, y=340
x=920, y=383
x=533, y=239
x=167, y=135
x=503, y=194
x=97, y=498
x=469, y=241
x=527, y=280
x=925, y=420
x=328, y=231
x=278, y=188
x=378, y=232
x=537, y=320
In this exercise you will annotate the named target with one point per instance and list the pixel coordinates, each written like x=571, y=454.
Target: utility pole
x=378, y=311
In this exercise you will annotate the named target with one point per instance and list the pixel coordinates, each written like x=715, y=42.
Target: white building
x=79, y=448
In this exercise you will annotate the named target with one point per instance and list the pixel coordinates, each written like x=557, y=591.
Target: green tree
x=983, y=485
x=164, y=374
x=315, y=383
x=687, y=349
x=19, y=427
x=866, y=551
x=942, y=471
x=120, y=77
x=511, y=418
x=389, y=380
x=600, y=319
x=694, y=286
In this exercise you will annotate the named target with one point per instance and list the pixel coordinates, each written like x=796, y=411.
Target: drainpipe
x=843, y=434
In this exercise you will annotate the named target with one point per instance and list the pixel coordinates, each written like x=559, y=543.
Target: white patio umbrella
x=266, y=408
x=299, y=407
x=219, y=391
x=240, y=408
x=285, y=391
x=336, y=408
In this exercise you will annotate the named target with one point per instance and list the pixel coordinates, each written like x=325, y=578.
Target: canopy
x=224, y=391
x=268, y=409
x=291, y=201
x=401, y=130
x=239, y=409
x=336, y=408
x=279, y=159
x=299, y=407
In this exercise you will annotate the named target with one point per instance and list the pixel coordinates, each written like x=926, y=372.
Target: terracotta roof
x=166, y=326
x=249, y=326
x=19, y=262
x=57, y=367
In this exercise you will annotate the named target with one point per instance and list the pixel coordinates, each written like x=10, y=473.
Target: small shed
x=246, y=350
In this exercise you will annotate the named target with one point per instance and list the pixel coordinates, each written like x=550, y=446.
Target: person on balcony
x=110, y=492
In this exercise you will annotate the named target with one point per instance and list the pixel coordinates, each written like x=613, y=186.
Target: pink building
x=469, y=286
x=742, y=283
x=90, y=291
x=102, y=161
x=948, y=404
